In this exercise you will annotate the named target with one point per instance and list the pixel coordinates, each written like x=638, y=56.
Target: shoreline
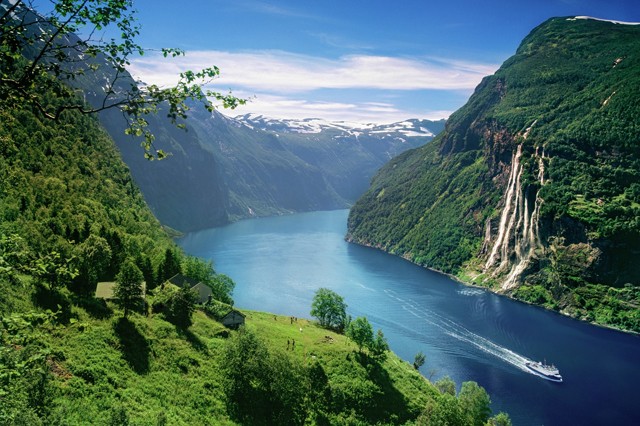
x=457, y=279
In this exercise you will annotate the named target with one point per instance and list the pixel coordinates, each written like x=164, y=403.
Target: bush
x=176, y=304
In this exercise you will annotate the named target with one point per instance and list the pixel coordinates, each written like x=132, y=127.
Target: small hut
x=106, y=289
x=203, y=292
x=233, y=319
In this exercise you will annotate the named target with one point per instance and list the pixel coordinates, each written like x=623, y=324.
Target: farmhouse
x=202, y=290
x=105, y=290
x=233, y=319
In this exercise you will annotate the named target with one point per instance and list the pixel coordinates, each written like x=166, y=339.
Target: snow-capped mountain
x=402, y=129
x=223, y=169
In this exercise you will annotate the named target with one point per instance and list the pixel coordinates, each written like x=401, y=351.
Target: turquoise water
x=466, y=333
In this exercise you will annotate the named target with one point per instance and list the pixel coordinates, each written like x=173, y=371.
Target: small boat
x=549, y=372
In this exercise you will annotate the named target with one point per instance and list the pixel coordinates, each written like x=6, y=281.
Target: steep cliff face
x=533, y=187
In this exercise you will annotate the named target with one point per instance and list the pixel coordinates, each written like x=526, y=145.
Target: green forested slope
x=70, y=216
x=567, y=106
x=64, y=191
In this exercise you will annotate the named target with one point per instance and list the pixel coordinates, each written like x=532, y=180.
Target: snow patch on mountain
x=603, y=20
x=408, y=128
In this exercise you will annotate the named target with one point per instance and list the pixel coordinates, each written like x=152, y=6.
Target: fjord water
x=466, y=333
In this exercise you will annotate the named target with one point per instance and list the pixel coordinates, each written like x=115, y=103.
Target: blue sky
x=352, y=60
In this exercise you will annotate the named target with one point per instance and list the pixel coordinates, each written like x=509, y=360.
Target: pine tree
x=128, y=290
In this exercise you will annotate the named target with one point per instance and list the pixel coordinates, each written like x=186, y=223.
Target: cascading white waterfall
x=528, y=241
x=518, y=229
x=516, y=215
x=508, y=209
x=540, y=166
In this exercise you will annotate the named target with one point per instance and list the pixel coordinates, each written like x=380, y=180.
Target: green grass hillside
x=98, y=368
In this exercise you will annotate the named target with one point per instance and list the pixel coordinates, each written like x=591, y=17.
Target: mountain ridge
x=221, y=170
x=408, y=127
x=252, y=172
x=532, y=188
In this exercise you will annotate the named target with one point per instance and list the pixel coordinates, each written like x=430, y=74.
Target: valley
x=162, y=262
x=223, y=169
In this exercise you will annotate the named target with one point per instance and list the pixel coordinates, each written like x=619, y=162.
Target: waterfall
x=525, y=246
x=518, y=229
x=509, y=205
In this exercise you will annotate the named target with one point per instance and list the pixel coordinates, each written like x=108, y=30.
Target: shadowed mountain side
x=184, y=191
x=222, y=169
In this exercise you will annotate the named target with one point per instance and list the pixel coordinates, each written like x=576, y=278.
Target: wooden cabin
x=233, y=319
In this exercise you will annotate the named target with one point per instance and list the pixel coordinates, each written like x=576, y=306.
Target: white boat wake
x=471, y=292
x=461, y=333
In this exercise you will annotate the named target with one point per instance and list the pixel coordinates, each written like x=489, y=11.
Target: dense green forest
x=568, y=99
x=70, y=217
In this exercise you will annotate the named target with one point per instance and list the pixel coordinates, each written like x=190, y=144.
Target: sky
x=365, y=61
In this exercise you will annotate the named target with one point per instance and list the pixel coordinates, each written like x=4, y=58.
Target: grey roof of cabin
x=182, y=281
x=105, y=290
x=233, y=311
x=203, y=291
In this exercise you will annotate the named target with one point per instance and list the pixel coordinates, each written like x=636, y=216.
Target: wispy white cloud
x=285, y=85
x=289, y=72
x=360, y=112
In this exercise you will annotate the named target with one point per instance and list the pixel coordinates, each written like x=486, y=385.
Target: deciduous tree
x=446, y=385
x=500, y=419
x=37, y=45
x=379, y=346
x=94, y=256
x=444, y=411
x=419, y=360
x=54, y=270
x=361, y=332
x=329, y=308
x=222, y=286
x=475, y=402
x=181, y=306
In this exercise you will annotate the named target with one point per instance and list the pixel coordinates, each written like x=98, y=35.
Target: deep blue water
x=466, y=333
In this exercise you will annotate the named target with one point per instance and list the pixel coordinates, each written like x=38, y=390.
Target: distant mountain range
x=272, y=166
x=400, y=130
x=224, y=169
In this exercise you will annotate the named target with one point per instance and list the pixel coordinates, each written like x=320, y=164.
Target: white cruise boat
x=549, y=372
